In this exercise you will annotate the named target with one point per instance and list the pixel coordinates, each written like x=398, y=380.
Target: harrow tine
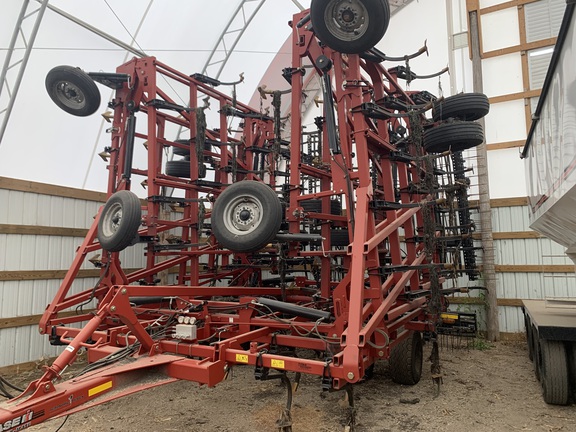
x=351, y=415
x=284, y=423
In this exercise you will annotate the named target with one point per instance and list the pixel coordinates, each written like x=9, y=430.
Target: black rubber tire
x=406, y=360
x=339, y=238
x=368, y=22
x=454, y=136
x=554, y=372
x=73, y=90
x=181, y=168
x=572, y=368
x=186, y=152
x=463, y=106
x=119, y=221
x=315, y=206
x=536, y=353
x=529, y=341
x=263, y=209
x=181, y=151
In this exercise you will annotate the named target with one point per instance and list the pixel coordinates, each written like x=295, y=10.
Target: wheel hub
x=70, y=95
x=245, y=215
x=346, y=18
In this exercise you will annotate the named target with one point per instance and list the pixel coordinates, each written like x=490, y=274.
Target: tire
x=554, y=372
x=529, y=336
x=119, y=221
x=339, y=238
x=454, y=136
x=350, y=26
x=181, y=151
x=315, y=206
x=463, y=106
x=572, y=368
x=73, y=90
x=181, y=168
x=536, y=353
x=246, y=216
x=406, y=360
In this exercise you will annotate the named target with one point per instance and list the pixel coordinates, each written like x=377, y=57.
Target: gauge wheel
x=246, y=216
x=119, y=221
x=453, y=136
x=406, y=360
x=350, y=26
x=73, y=90
x=463, y=106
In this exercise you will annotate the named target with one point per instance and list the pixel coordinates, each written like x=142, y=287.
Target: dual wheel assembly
x=554, y=366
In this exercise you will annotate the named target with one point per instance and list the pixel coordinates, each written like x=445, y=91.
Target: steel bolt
x=41, y=330
x=380, y=353
x=113, y=309
x=124, y=291
x=350, y=375
x=47, y=388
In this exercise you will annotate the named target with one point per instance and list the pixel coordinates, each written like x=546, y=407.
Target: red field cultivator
x=288, y=252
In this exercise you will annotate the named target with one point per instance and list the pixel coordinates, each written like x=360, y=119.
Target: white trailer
x=550, y=155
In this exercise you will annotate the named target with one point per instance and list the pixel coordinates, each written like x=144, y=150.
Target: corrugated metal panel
x=543, y=19
x=29, y=252
x=538, y=62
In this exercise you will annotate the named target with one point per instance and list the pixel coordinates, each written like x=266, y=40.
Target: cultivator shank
x=260, y=243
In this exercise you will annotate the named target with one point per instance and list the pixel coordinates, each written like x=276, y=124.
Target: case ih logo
x=21, y=422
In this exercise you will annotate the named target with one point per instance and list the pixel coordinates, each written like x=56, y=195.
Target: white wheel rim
x=243, y=214
x=112, y=220
x=347, y=20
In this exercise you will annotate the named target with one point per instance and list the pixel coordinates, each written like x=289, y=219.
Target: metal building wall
x=528, y=266
x=33, y=259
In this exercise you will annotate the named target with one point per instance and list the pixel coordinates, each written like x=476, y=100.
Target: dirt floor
x=488, y=389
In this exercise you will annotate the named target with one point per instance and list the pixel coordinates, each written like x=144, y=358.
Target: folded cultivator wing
x=308, y=252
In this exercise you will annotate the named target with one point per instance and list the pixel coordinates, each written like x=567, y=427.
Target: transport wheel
x=181, y=168
x=406, y=360
x=119, y=221
x=463, y=106
x=315, y=206
x=73, y=90
x=554, y=372
x=454, y=136
x=350, y=26
x=246, y=216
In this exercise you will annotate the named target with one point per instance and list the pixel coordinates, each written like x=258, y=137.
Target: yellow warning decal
x=241, y=358
x=102, y=387
x=278, y=364
x=449, y=316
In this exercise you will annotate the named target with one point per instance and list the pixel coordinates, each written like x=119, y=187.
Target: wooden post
x=488, y=265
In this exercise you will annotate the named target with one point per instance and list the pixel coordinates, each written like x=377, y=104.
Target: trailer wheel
x=455, y=136
x=119, y=221
x=529, y=341
x=406, y=360
x=350, y=26
x=73, y=90
x=536, y=353
x=572, y=369
x=246, y=216
x=463, y=106
x=554, y=372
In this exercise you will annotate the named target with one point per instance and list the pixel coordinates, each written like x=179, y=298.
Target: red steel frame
x=371, y=310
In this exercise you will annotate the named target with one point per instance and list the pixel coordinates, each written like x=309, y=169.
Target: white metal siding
x=543, y=19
